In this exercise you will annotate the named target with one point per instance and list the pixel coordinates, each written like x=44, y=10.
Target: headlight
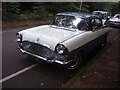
x=61, y=49
x=19, y=36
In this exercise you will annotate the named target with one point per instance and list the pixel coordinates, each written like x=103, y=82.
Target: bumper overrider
x=42, y=53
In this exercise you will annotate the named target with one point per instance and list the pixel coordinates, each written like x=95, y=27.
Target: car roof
x=117, y=14
x=77, y=14
x=100, y=11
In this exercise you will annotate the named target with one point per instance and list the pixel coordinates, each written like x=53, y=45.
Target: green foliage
x=115, y=8
x=27, y=16
x=13, y=7
x=85, y=8
x=32, y=16
x=46, y=10
x=56, y=7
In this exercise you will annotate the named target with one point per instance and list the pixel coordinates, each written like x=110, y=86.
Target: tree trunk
x=4, y=11
x=80, y=6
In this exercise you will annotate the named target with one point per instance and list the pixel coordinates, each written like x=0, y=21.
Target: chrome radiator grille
x=37, y=49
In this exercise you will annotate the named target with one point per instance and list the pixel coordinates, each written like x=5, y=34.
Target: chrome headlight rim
x=19, y=37
x=61, y=49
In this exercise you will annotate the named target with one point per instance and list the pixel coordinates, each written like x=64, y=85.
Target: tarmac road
x=19, y=72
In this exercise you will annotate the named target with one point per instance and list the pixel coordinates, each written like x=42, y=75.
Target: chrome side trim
x=49, y=61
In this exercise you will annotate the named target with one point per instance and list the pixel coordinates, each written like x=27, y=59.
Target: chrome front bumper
x=49, y=61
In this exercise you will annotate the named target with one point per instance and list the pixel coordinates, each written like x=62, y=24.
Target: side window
x=96, y=23
x=82, y=25
x=117, y=16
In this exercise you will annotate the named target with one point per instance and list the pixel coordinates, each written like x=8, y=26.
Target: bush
x=31, y=16
x=23, y=17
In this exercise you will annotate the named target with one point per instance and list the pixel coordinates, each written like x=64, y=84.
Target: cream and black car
x=69, y=36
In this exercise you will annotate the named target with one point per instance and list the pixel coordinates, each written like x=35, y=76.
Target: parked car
x=114, y=21
x=69, y=36
x=104, y=15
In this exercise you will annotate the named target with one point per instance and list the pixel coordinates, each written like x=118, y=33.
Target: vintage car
x=114, y=21
x=69, y=36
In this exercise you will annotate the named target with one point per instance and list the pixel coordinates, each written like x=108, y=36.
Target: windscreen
x=68, y=22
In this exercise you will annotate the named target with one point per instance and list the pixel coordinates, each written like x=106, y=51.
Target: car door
x=91, y=37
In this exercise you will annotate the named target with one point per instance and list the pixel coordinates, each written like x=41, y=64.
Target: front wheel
x=75, y=62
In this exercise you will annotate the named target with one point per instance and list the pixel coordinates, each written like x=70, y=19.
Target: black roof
x=77, y=14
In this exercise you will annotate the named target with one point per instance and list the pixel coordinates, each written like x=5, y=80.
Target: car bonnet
x=48, y=36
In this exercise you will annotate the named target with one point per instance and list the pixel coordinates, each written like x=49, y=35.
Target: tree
x=4, y=10
x=115, y=8
x=35, y=10
x=10, y=8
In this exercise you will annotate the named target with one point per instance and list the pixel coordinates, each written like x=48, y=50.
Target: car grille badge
x=38, y=40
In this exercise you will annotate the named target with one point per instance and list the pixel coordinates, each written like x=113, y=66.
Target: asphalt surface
x=41, y=76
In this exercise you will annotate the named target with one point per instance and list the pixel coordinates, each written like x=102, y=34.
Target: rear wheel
x=75, y=62
x=103, y=44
